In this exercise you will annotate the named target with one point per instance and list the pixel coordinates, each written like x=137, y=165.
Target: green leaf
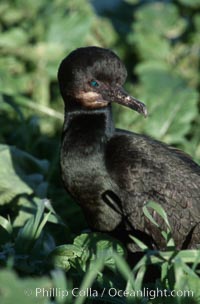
x=6, y=224
x=125, y=271
x=31, y=231
x=161, y=19
x=59, y=281
x=53, y=217
x=7, y=100
x=159, y=210
x=172, y=105
x=98, y=246
x=38, y=108
x=155, y=24
x=187, y=280
x=76, y=24
x=20, y=174
x=89, y=278
x=139, y=242
x=11, y=184
x=28, y=290
x=85, y=250
x=13, y=38
x=190, y=3
x=25, y=209
x=64, y=255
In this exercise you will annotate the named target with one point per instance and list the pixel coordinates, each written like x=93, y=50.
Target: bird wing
x=132, y=154
x=145, y=169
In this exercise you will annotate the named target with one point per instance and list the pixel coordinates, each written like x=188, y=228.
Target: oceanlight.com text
x=111, y=292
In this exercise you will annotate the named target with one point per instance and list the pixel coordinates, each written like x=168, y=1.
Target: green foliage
x=167, y=42
x=159, y=42
x=100, y=247
x=20, y=174
x=17, y=290
x=94, y=261
x=192, y=3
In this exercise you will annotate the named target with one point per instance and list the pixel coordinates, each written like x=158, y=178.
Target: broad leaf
x=28, y=290
x=20, y=174
x=171, y=104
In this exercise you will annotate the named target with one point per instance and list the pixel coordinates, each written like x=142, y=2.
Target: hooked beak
x=119, y=95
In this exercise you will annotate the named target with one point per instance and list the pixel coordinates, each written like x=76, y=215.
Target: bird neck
x=89, y=120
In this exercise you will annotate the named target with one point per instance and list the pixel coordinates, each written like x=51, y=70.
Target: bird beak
x=119, y=95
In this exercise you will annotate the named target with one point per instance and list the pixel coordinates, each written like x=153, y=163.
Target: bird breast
x=86, y=179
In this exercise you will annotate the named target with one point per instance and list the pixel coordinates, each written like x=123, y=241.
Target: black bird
x=113, y=173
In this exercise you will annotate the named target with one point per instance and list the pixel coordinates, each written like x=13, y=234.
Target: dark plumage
x=112, y=173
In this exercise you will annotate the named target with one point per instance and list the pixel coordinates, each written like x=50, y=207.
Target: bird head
x=93, y=77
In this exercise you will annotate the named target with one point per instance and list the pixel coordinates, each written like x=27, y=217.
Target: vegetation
x=45, y=249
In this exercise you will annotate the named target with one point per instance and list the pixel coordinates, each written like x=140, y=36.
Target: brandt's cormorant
x=113, y=173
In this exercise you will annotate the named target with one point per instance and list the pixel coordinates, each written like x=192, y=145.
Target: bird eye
x=94, y=83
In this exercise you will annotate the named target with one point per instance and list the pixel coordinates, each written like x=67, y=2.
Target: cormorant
x=113, y=173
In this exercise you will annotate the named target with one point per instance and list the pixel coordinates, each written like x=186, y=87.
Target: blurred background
x=159, y=42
